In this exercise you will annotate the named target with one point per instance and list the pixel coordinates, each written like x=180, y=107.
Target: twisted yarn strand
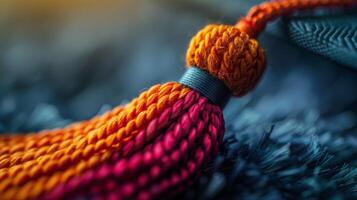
x=154, y=163
x=258, y=16
x=158, y=143
x=23, y=170
x=22, y=143
x=70, y=131
x=77, y=129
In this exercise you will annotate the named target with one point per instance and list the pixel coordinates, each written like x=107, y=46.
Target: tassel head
x=228, y=54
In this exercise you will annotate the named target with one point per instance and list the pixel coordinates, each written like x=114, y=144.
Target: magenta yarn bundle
x=164, y=166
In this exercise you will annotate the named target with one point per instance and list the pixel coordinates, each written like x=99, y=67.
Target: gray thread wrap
x=212, y=88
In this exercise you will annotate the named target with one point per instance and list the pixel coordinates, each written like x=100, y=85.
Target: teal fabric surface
x=334, y=37
x=293, y=137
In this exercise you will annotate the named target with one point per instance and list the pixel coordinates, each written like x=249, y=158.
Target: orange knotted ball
x=228, y=54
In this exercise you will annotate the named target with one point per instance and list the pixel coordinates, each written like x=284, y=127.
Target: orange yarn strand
x=33, y=165
x=258, y=16
x=67, y=132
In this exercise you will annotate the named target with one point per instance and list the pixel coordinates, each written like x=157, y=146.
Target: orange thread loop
x=258, y=16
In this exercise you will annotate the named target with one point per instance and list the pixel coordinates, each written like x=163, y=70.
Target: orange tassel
x=158, y=143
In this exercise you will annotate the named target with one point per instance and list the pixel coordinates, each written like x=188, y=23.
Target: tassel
x=157, y=144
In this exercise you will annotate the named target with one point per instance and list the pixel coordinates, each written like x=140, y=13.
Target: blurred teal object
x=334, y=37
x=294, y=137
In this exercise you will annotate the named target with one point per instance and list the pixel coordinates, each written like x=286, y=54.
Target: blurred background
x=64, y=61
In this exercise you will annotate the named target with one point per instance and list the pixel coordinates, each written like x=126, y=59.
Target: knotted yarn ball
x=228, y=54
x=155, y=146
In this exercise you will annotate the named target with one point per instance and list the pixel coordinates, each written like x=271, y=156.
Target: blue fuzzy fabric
x=292, y=141
x=294, y=137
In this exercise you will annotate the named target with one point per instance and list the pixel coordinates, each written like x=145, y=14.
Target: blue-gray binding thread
x=207, y=85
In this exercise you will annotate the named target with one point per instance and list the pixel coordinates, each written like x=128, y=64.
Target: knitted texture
x=156, y=144
x=35, y=166
x=167, y=164
x=228, y=54
x=333, y=37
